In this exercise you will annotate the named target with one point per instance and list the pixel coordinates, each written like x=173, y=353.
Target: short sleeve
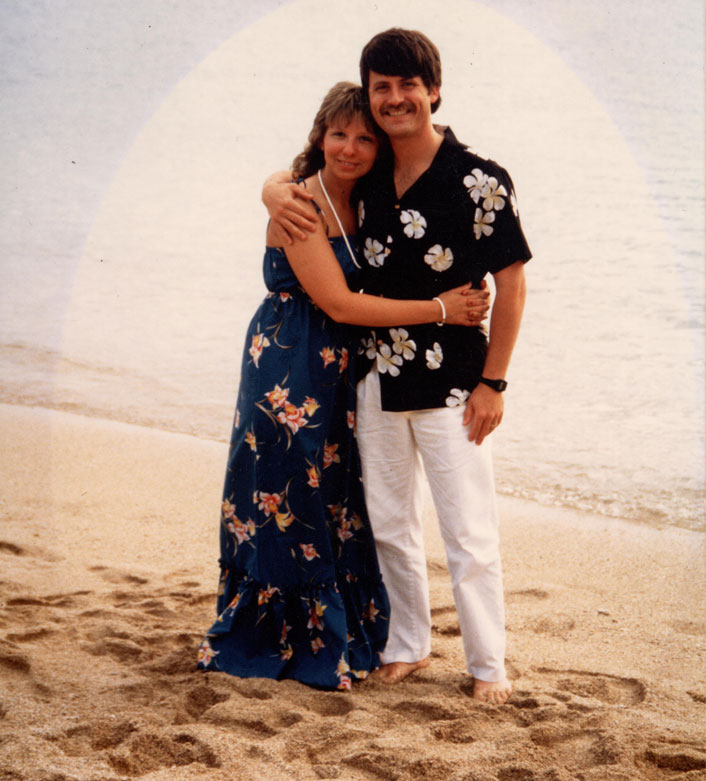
x=494, y=215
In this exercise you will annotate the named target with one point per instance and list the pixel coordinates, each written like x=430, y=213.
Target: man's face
x=401, y=105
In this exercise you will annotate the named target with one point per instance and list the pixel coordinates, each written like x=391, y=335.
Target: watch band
x=496, y=385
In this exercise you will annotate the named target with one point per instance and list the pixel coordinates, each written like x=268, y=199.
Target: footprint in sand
x=116, y=576
x=254, y=722
x=384, y=763
x=51, y=601
x=516, y=773
x=426, y=710
x=85, y=739
x=13, y=658
x=331, y=705
x=556, y=624
x=11, y=548
x=155, y=607
x=459, y=731
x=576, y=747
x=200, y=697
x=248, y=706
x=123, y=646
x=527, y=593
x=693, y=628
x=146, y=752
x=31, y=635
x=678, y=757
x=608, y=689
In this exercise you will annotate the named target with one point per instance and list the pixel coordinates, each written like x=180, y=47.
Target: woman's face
x=349, y=149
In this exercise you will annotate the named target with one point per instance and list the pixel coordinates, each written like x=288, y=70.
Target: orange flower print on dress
x=242, y=531
x=350, y=418
x=293, y=417
x=371, y=611
x=206, y=653
x=259, y=342
x=250, y=440
x=339, y=514
x=277, y=396
x=228, y=509
x=330, y=455
x=343, y=360
x=328, y=355
x=341, y=669
x=264, y=595
x=314, y=476
x=311, y=405
x=286, y=653
x=316, y=612
x=283, y=520
x=309, y=551
x=344, y=531
x=268, y=502
x=317, y=644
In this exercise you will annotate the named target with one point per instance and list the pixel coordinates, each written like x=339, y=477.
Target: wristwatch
x=496, y=385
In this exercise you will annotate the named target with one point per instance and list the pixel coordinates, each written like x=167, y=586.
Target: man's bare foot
x=496, y=693
x=394, y=672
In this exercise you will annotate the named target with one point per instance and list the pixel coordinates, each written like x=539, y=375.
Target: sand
x=108, y=550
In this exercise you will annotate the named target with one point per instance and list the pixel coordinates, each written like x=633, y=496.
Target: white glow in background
x=170, y=274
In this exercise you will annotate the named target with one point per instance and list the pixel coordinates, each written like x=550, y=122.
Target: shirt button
x=397, y=206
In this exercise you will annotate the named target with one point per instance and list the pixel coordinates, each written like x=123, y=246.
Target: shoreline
x=109, y=554
x=556, y=510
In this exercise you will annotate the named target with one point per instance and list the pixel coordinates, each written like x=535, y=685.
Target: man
x=433, y=217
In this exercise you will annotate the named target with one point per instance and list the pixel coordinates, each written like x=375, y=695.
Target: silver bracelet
x=443, y=310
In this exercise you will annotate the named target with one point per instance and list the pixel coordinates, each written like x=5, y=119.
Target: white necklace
x=340, y=226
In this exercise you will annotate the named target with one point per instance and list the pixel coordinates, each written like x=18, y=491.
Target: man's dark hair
x=406, y=53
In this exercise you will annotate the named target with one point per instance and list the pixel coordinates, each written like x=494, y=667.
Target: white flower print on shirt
x=375, y=253
x=475, y=183
x=513, y=203
x=457, y=397
x=367, y=346
x=414, y=223
x=402, y=344
x=435, y=356
x=481, y=226
x=387, y=362
x=438, y=258
x=492, y=195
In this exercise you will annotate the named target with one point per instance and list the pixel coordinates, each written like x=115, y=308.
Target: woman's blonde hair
x=343, y=102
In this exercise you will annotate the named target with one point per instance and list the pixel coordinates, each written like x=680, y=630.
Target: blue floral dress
x=300, y=594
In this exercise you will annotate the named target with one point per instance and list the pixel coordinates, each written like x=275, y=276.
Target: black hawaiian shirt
x=455, y=224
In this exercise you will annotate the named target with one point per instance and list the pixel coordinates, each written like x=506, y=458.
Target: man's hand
x=484, y=412
x=288, y=205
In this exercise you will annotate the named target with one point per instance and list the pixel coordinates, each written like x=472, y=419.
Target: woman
x=300, y=593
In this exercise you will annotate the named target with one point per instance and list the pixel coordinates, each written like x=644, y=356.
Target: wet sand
x=108, y=555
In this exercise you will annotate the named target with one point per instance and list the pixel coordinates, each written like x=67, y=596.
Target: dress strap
x=340, y=226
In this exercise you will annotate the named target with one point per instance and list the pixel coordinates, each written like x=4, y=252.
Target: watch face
x=501, y=385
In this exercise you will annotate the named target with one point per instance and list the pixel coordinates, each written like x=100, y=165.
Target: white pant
x=460, y=474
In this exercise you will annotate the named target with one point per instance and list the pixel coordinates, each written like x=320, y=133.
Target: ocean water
x=134, y=143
